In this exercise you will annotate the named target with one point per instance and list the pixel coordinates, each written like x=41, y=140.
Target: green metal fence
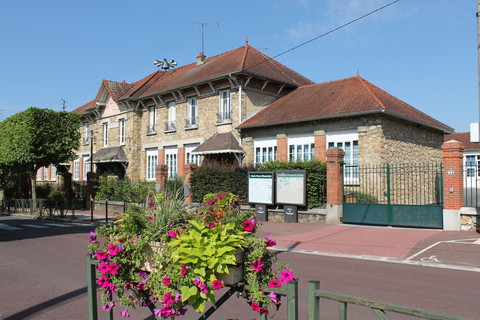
x=397, y=195
x=379, y=309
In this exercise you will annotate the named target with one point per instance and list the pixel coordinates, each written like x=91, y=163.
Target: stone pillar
x=335, y=159
x=320, y=145
x=161, y=175
x=453, y=196
x=189, y=171
x=282, y=147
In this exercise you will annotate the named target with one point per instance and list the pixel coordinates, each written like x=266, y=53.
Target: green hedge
x=316, y=178
x=219, y=177
x=213, y=178
x=112, y=188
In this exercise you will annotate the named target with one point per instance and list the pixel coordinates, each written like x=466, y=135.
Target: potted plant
x=196, y=252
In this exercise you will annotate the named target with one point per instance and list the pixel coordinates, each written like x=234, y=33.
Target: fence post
x=292, y=300
x=334, y=185
x=313, y=300
x=106, y=210
x=91, y=289
x=452, y=183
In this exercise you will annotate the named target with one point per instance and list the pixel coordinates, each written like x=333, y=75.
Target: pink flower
x=128, y=285
x=173, y=233
x=275, y=283
x=257, y=265
x=269, y=242
x=286, y=275
x=178, y=296
x=203, y=288
x=255, y=307
x=113, y=249
x=134, y=239
x=113, y=268
x=183, y=271
x=101, y=255
x=142, y=274
x=150, y=218
x=274, y=297
x=197, y=281
x=166, y=280
x=103, y=267
x=217, y=284
x=93, y=237
x=108, y=306
x=167, y=299
x=248, y=226
x=124, y=313
x=103, y=282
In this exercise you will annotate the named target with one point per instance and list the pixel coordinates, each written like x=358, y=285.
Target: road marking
x=58, y=225
x=430, y=259
x=36, y=226
x=7, y=227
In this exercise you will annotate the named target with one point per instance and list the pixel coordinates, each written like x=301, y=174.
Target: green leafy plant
x=172, y=256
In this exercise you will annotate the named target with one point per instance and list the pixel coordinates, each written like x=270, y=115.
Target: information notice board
x=291, y=187
x=260, y=187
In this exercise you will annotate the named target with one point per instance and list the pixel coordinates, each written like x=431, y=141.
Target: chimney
x=201, y=58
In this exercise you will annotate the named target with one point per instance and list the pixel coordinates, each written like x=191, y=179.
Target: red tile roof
x=86, y=106
x=463, y=137
x=346, y=97
x=245, y=59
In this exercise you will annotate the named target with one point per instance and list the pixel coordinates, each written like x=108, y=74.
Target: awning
x=219, y=143
x=112, y=154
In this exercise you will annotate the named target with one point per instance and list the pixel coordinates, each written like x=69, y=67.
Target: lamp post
x=91, y=177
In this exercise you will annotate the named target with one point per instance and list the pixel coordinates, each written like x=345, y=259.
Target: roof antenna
x=203, y=25
x=246, y=40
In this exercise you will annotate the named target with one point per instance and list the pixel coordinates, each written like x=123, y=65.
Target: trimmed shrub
x=220, y=177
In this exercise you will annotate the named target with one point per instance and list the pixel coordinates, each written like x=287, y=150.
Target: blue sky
x=423, y=52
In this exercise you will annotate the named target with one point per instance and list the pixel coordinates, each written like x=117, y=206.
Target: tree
x=36, y=138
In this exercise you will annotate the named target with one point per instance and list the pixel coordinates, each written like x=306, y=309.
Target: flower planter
x=235, y=272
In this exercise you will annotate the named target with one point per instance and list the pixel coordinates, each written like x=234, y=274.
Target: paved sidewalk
x=456, y=249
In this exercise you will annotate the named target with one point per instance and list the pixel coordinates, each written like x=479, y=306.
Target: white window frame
x=86, y=166
x=301, y=147
x=192, y=120
x=105, y=134
x=76, y=169
x=189, y=157
x=265, y=149
x=348, y=141
x=151, y=163
x=53, y=173
x=152, y=121
x=45, y=173
x=86, y=132
x=122, y=130
x=171, y=160
x=172, y=116
x=225, y=108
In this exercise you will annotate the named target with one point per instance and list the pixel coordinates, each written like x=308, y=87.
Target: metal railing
x=191, y=123
x=380, y=309
x=403, y=184
x=170, y=126
x=151, y=129
x=224, y=117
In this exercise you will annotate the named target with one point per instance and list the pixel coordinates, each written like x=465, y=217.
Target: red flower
x=275, y=283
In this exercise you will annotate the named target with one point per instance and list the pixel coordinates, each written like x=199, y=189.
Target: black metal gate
x=409, y=195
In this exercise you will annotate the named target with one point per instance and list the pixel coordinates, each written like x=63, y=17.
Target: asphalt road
x=43, y=276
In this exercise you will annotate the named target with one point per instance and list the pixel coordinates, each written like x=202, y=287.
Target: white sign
x=290, y=187
x=260, y=187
